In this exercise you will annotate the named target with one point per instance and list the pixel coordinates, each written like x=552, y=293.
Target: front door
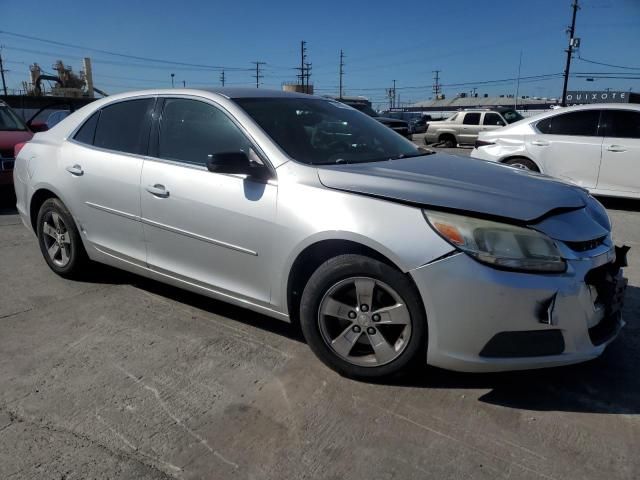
x=620, y=170
x=208, y=228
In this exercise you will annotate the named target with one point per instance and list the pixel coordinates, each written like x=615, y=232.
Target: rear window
x=471, y=119
x=124, y=126
x=88, y=130
x=581, y=123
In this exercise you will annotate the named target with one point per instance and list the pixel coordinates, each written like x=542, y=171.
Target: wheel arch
x=40, y=196
x=309, y=258
x=513, y=157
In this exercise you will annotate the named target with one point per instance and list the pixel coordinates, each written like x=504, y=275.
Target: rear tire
x=59, y=240
x=448, y=141
x=523, y=163
x=363, y=318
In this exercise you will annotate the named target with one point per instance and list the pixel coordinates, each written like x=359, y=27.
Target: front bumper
x=468, y=304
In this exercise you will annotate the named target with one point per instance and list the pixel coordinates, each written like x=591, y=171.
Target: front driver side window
x=191, y=130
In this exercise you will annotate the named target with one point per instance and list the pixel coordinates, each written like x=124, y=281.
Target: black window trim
x=606, y=128
x=71, y=137
x=154, y=137
x=599, y=130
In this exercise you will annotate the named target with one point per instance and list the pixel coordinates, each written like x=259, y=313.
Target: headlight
x=498, y=244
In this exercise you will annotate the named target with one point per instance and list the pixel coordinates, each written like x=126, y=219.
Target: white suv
x=594, y=146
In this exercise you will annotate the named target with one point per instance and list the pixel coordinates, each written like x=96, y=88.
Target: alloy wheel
x=57, y=239
x=364, y=321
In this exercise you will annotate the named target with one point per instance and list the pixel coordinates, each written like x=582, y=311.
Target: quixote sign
x=601, y=96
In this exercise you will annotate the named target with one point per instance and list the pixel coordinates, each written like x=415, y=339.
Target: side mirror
x=236, y=162
x=38, y=127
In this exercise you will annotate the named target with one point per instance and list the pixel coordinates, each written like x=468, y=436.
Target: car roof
x=243, y=92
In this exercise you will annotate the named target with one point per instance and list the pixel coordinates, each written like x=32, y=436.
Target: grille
x=586, y=245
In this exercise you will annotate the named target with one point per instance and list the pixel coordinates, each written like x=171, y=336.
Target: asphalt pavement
x=122, y=377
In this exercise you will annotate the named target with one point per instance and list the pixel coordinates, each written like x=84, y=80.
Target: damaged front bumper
x=482, y=319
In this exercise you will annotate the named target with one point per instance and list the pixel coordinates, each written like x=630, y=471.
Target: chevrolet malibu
x=306, y=210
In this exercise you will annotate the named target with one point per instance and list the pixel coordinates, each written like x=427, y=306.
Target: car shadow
x=7, y=201
x=614, y=203
x=609, y=384
x=104, y=274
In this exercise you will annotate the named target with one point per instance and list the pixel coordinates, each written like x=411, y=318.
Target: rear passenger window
x=124, y=126
x=580, y=123
x=492, y=119
x=622, y=123
x=471, y=119
x=191, y=131
x=88, y=130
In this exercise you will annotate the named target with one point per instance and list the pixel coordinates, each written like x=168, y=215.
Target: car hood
x=458, y=183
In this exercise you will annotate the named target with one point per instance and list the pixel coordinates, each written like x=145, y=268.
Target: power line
x=607, y=64
x=108, y=52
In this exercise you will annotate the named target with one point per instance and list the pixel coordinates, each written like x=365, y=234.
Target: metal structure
x=573, y=43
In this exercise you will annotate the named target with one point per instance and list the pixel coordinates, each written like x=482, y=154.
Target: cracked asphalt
x=119, y=377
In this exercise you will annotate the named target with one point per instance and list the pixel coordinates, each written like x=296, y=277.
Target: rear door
x=620, y=170
x=568, y=146
x=103, y=163
x=470, y=127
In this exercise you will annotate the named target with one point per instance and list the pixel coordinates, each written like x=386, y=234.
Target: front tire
x=363, y=318
x=523, y=163
x=59, y=239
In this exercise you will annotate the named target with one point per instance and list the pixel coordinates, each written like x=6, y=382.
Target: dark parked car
x=14, y=132
x=398, y=126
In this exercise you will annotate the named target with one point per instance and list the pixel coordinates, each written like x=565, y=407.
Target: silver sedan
x=306, y=210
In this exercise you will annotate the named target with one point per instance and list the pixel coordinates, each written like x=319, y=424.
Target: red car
x=13, y=131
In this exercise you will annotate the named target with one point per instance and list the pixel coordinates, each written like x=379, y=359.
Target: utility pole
x=172, y=76
x=573, y=43
x=436, y=84
x=257, y=76
x=2, y=70
x=222, y=77
x=341, y=72
x=303, y=59
x=394, y=94
x=184, y=84
x=307, y=75
x=515, y=106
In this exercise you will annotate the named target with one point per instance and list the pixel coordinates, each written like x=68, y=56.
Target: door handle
x=158, y=190
x=75, y=170
x=540, y=143
x=616, y=148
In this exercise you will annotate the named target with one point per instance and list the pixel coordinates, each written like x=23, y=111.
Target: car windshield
x=9, y=121
x=322, y=132
x=511, y=116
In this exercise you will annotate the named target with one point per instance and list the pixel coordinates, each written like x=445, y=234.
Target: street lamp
x=172, y=75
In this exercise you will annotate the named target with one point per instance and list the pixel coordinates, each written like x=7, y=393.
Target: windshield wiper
x=411, y=155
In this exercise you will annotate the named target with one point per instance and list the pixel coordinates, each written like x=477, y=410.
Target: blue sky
x=470, y=41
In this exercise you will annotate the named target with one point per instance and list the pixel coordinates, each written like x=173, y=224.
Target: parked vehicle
x=594, y=146
x=307, y=211
x=398, y=126
x=462, y=128
x=419, y=125
x=13, y=133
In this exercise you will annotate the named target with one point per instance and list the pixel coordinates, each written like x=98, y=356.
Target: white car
x=594, y=146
